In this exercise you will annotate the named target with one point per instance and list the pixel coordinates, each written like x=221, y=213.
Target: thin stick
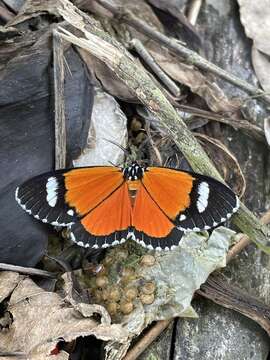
x=27, y=270
x=242, y=124
x=151, y=335
x=60, y=121
x=238, y=247
x=147, y=57
x=193, y=11
x=189, y=55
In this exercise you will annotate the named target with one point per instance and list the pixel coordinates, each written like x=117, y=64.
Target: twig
x=142, y=51
x=151, y=335
x=15, y=354
x=238, y=247
x=189, y=55
x=59, y=101
x=194, y=10
x=147, y=92
x=242, y=124
x=218, y=290
x=27, y=270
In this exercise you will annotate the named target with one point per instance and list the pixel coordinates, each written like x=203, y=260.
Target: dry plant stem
x=152, y=97
x=218, y=290
x=27, y=270
x=142, y=51
x=152, y=334
x=193, y=11
x=238, y=247
x=13, y=355
x=254, y=131
x=60, y=122
x=173, y=45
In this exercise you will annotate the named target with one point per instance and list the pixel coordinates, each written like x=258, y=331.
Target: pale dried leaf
x=177, y=274
x=108, y=122
x=255, y=17
x=8, y=282
x=193, y=78
x=41, y=319
x=261, y=64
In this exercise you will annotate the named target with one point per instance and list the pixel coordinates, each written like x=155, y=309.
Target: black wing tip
x=215, y=223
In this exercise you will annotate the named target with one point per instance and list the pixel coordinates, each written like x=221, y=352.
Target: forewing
x=62, y=197
x=193, y=202
x=107, y=224
x=152, y=227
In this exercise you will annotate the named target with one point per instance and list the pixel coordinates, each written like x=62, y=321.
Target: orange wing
x=113, y=214
x=88, y=187
x=148, y=217
x=108, y=223
x=170, y=189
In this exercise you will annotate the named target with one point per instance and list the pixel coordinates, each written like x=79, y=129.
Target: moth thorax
x=133, y=172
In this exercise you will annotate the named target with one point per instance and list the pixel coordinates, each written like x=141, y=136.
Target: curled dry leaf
x=229, y=161
x=193, y=78
x=41, y=319
x=255, y=17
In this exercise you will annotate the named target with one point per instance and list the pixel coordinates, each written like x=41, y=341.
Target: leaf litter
x=40, y=319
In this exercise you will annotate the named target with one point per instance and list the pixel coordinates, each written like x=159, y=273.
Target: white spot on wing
x=70, y=212
x=203, y=192
x=182, y=217
x=51, y=188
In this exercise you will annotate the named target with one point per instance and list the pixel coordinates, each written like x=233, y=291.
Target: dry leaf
x=225, y=160
x=110, y=82
x=193, y=78
x=41, y=319
x=8, y=282
x=108, y=122
x=255, y=17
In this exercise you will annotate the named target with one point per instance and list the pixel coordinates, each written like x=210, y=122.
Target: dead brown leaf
x=8, y=282
x=41, y=319
x=194, y=79
x=107, y=77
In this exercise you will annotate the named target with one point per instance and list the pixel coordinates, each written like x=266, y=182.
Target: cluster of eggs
x=118, y=284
